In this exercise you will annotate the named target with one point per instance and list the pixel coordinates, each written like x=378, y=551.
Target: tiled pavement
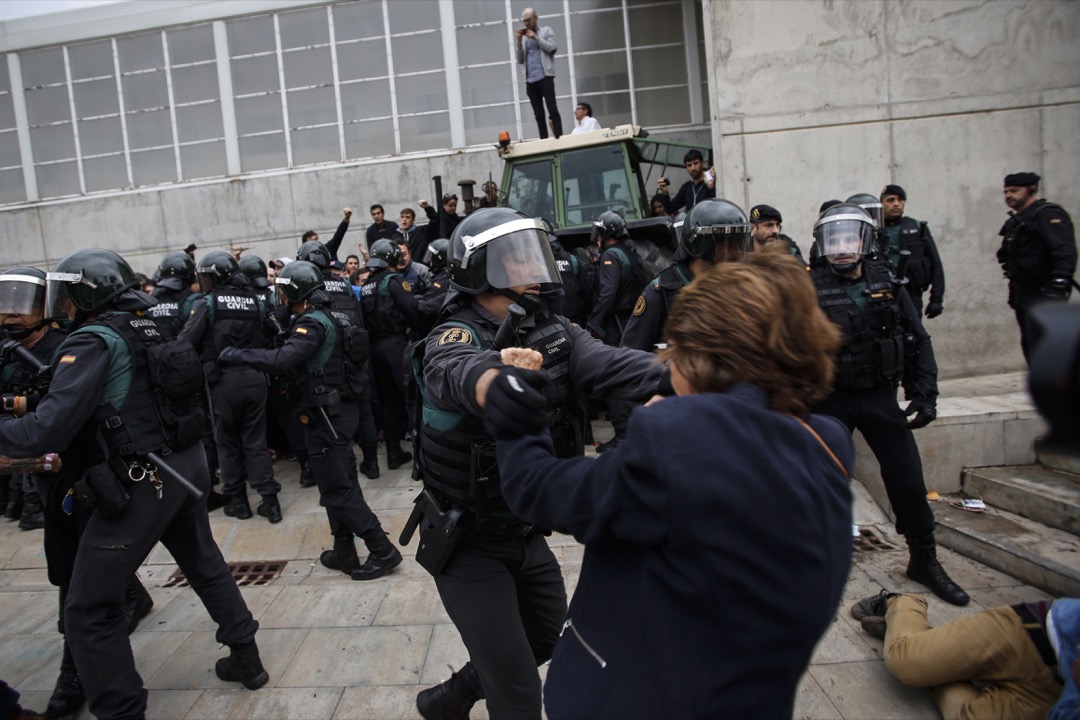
x=335, y=648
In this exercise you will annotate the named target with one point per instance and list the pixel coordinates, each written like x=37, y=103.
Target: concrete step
x=1066, y=459
x=1042, y=556
x=1037, y=492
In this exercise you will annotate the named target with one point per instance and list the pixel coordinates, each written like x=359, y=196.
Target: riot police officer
x=499, y=581
x=924, y=270
x=175, y=298
x=120, y=397
x=321, y=356
x=1038, y=249
x=429, y=303
x=714, y=231
x=884, y=344
x=231, y=315
x=254, y=267
x=389, y=313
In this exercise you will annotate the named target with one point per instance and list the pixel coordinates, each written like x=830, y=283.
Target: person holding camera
x=535, y=47
x=701, y=185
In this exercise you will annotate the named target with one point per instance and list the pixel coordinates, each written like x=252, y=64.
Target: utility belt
x=498, y=527
x=106, y=487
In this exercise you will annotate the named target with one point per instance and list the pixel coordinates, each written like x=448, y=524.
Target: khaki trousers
x=991, y=648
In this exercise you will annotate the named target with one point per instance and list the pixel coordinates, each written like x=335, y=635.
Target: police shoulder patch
x=406, y=286
x=607, y=262
x=67, y=359
x=301, y=330
x=639, y=306
x=1055, y=221
x=454, y=335
x=304, y=420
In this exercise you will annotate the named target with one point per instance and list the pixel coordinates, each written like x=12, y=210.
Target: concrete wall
x=816, y=99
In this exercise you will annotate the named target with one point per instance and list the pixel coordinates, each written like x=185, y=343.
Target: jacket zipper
x=596, y=656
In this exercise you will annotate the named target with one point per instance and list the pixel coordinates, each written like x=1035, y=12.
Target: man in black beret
x=924, y=270
x=765, y=225
x=1038, y=249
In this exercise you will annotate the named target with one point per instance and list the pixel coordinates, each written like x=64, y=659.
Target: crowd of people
x=134, y=406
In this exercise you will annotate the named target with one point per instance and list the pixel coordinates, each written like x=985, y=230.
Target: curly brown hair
x=756, y=321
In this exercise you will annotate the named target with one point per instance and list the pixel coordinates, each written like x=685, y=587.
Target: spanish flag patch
x=67, y=359
x=302, y=331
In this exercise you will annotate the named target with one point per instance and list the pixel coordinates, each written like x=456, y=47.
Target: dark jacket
x=717, y=545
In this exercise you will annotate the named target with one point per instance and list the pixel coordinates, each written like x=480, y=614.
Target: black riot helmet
x=315, y=253
x=714, y=231
x=87, y=280
x=843, y=235
x=498, y=249
x=872, y=205
x=610, y=225
x=255, y=269
x=384, y=253
x=436, y=255
x=176, y=271
x=22, y=301
x=298, y=281
x=217, y=267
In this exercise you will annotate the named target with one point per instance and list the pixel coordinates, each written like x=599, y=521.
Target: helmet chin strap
x=21, y=332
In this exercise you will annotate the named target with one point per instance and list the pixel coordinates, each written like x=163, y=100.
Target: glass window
x=7, y=112
x=12, y=188
x=655, y=24
x=312, y=107
x=425, y=132
x=315, y=145
x=256, y=74
x=663, y=106
x=467, y=12
x=199, y=82
x=140, y=52
x=601, y=73
x=360, y=101
x=200, y=122
x=205, y=160
x=486, y=85
x=369, y=139
x=251, y=35
x=97, y=137
x=357, y=61
x=307, y=67
x=153, y=167
x=107, y=173
x=54, y=142
x=42, y=67
x=149, y=129
x=531, y=189
x=48, y=105
x=478, y=45
x=90, y=60
x=484, y=124
x=302, y=28
x=355, y=20
x=59, y=179
x=147, y=90
x=9, y=150
x=595, y=180
x=258, y=114
x=97, y=97
x=659, y=67
x=609, y=110
x=192, y=44
x=263, y=152
x=412, y=16
x=417, y=53
x=421, y=93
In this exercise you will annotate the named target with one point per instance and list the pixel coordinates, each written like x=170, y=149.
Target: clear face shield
x=517, y=253
x=876, y=211
x=719, y=243
x=844, y=239
x=22, y=300
x=281, y=296
x=58, y=303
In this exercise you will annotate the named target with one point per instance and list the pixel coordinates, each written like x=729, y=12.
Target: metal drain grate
x=870, y=540
x=245, y=573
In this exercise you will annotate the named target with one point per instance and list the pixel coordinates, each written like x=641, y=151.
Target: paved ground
x=335, y=648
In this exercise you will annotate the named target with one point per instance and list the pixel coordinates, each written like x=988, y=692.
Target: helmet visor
x=22, y=295
x=718, y=243
x=876, y=211
x=844, y=237
x=57, y=299
x=521, y=257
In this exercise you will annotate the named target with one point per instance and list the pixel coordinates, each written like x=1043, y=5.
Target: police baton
x=901, y=269
x=171, y=472
x=326, y=419
x=507, y=331
x=412, y=522
x=27, y=358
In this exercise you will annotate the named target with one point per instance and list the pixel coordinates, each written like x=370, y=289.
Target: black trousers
x=387, y=363
x=507, y=599
x=240, y=432
x=540, y=92
x=884, y=426
x=330, y=457
x=111, y=550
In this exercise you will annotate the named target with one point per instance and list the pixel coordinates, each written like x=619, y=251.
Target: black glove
x=934, y=309
x=925, y=411
x=516, y=404
x=1056, y=289
x=228, y=356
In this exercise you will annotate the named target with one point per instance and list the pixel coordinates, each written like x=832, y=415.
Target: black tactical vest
x=872, y=353
x=920, y=268
x=170, y=311
x=1024, y=253
x=632, y=277
x=17, y=378
x=382, y=316
x=236, y=317
x=342, y=298
x=325, y=372
x=456, y=455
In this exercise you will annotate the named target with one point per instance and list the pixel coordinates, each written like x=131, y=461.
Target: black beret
x=761, y=213
x=1022, y=179
x=828, y=204
x=893, y=190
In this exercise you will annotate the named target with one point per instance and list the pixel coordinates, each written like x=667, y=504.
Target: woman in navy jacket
x=718, y=535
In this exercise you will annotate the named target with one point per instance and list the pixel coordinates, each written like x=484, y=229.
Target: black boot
x=270, y=508
x=370, y=465
x=451, y=700
x=137, y=603
x=14, y=503
x=32, y=516
x=395, y=456
x=215, y=500
x=343, y=557
x=67, y=697
x=243, y=666
x=383, y=557
x=925, y=569
x=237, y=506
x=307, y=478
